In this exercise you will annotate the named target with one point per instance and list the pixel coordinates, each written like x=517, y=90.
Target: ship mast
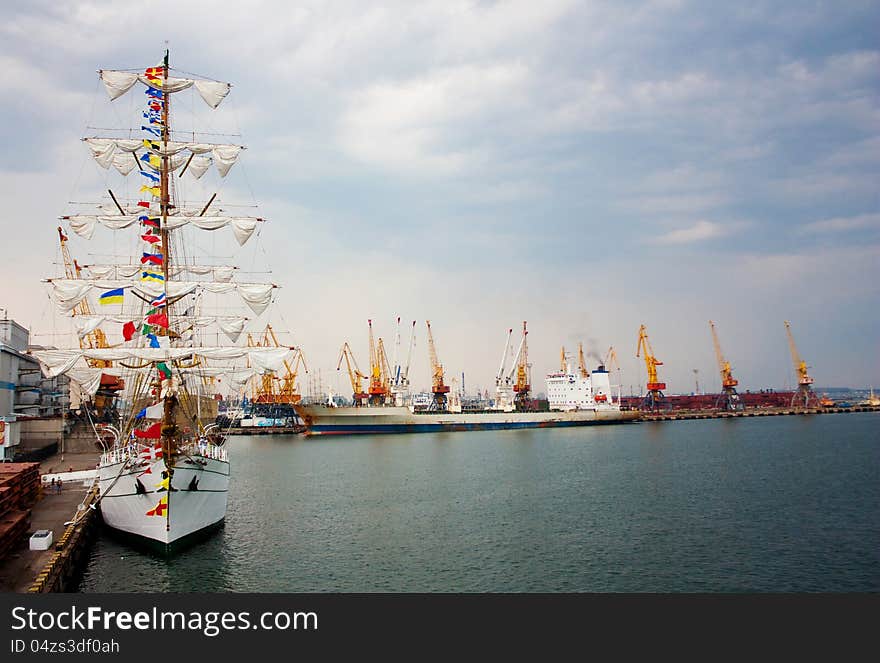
x=169, y=419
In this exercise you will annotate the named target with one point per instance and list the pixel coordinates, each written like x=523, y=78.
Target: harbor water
x=781, y=504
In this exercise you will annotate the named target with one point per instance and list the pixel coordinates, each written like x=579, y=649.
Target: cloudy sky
x=585, y=166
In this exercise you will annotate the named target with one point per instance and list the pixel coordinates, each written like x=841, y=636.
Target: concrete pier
x=677, y=415
x=25, y=570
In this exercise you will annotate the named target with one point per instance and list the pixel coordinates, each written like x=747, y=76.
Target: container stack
x=19, y=489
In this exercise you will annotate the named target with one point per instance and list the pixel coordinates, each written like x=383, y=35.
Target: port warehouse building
x=31, y=406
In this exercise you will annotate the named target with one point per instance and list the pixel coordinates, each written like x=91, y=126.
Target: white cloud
x=402, y=126
x=699, y=232
x=679, y=203
x=843, y=224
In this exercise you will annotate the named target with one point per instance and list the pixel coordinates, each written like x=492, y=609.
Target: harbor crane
x=804, y=396
x=582, y=362
x=384, y=370
x=400, y=377
x=269, y=388
x=438, y=388
x=654, y=386
x=504, y=396
x=378, y=388
x=610, y=362
x=500, y=379
x=354, y=374
x=522, y=388
x=728, y=399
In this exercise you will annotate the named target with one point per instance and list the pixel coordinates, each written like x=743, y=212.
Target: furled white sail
x=230, y=325
x=69, y=292
x=89, y=379
x=242, y=226
x=58, y=362
x=222, y=273
x=120, y=82
x=124, y=154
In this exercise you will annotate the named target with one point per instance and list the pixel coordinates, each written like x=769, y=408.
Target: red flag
x=154, y=432
x=128, y=330
x=152, y=258
x=143, y=204
x=159, y=319
x=152, y=239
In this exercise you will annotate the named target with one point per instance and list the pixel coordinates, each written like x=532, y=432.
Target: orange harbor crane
x=354, y=374
x=378, y=389
x=654, y=386
x=729, y=399
x=804, y=396
x=522, y=388
x=110, y=384
x=438, y=388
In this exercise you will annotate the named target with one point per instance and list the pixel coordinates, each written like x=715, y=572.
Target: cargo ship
x=575, y=398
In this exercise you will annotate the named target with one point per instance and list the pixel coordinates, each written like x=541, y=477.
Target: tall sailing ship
x=171, y=342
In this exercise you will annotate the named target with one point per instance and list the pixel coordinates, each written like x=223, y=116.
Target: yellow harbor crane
x=655, y=387
x=523, y=387
x=354, y=374
x=384, y=370
x=582, y=362
x=269, y=388
x=438, y=387
x=804, y=396
x=729, y=399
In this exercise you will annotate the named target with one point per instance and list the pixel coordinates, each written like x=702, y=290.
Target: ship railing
x=208, y=450
x=120, y=454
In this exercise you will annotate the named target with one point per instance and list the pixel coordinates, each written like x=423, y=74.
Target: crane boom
x=800, y=366
x=384, y=369
x=516, y=357
x=412, y=342
x=610, y=359
x=354, y=374
x=499, y=377
x=582, y=363
x=523, y=386
x=651, y=362
x=804, y=394
x=655, y=387
x=727, y=380
x=378, y=387
x=395, y=377
x=438, y=388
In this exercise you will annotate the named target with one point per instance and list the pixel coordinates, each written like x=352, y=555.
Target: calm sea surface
x=781, y=504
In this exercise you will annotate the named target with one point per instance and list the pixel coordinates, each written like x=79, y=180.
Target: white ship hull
x=324, y=420
x=195, y=505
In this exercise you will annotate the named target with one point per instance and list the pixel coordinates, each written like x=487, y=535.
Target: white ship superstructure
x=576, y=389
